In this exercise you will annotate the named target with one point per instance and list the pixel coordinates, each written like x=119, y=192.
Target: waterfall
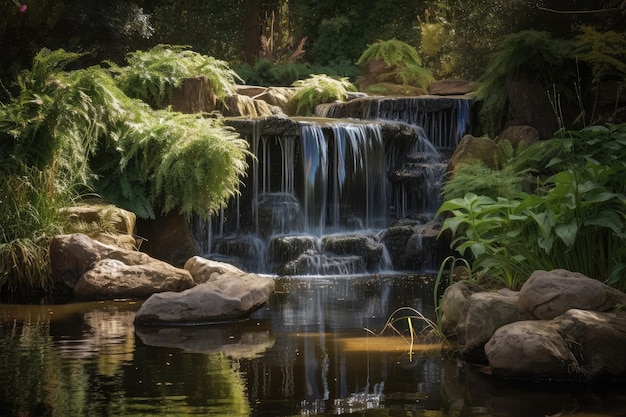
x=445, y=120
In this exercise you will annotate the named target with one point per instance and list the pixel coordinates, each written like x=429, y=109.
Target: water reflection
x=306, y=353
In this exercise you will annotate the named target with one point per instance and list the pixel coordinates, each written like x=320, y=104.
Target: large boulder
x=482, y=315
x=577, y=345
x=135, y=277
x=548, y=294
x=231, y=295
x=93, y=270
x=472, y=149
x=453, y=303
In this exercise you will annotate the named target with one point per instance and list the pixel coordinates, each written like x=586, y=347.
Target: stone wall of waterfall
x=347, y=193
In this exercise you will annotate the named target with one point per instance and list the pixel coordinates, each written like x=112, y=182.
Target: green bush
x=72, y=132
x=574, y=220
x=405, y=66
x=152, y=75
x=318, y=89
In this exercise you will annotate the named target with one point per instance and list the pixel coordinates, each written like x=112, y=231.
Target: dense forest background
x=453, y=37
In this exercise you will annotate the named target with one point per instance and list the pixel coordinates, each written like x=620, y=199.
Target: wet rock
x=225, y=297
x=546, y=295
x=426, y=249
x=283, y=249
x=395, y=239
x=483, y=314
x=367, y=247
x=279, y=213
x=313, y=263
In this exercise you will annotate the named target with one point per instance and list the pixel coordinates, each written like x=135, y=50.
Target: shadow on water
x=305, y=353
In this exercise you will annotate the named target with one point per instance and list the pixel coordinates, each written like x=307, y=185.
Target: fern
x=152, y=75
x=318, y=89
x=391, y=52
x=402, y=60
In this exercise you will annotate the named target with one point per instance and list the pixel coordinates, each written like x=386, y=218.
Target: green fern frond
x=152, y=75
x=318, y=89
x=391, y=52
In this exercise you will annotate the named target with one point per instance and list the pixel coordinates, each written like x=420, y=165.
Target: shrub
x=318, y=89
x=575, y=220
x=402, y=60
x=152, y=75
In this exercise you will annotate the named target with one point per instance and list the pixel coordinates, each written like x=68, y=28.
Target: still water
x=315, y=349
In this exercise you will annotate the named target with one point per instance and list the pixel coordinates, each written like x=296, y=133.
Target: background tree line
x=454, y=37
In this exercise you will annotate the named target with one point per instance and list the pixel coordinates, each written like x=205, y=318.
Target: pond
x=317, y=348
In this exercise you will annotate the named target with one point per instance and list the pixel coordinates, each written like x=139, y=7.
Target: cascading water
x=337, y=196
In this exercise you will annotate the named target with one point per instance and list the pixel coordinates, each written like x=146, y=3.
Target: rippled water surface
x=315, y=349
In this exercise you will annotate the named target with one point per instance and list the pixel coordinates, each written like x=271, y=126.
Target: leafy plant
x=152, y=75
x=71, y=132
x=318, y=89
x=402, y=61
x=574, y=221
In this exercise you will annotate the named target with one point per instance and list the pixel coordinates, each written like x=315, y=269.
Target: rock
x=120, y=220
x=72, y=255
x=546, y=295
x=452, y=87
x=367, y=247
x=482, y=315
x=471, y=149
x=518, y=135
x=93, y=270
x=578, y=345
x=109, y=279
x=529, y=349
x=426, y=249
x=203, y=270
x=283, y=249
x=598, y=341
x=117, y=225
x=168, y=238
x=226, y=297
x=453, y=302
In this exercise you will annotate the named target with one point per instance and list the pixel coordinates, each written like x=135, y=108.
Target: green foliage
x=152, y=75
x=605, y=52
x=69, y=132
x=29, y=209
x=483, y=180
x=402, y=60
x=574, y=221
x=318, y=89
x=539, y=56
x=265, y=73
